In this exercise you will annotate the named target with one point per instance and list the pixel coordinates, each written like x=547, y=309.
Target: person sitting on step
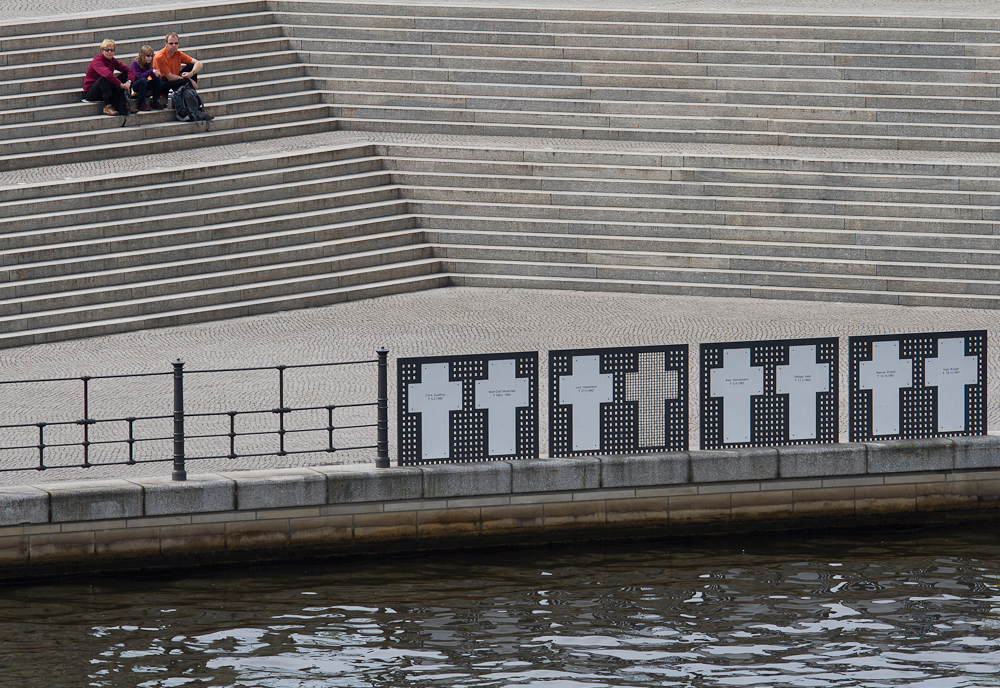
x=176, y=68
x=147, y=81
x=101, y=82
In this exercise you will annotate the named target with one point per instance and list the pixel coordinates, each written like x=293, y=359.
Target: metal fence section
x=184, y=435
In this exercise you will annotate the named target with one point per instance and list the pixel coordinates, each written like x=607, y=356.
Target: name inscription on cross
x=950, y=371
x=885, y=375
x=802, y=379
x=736, y=381
x=502, y=393
x=434, y=398
x=585, y=390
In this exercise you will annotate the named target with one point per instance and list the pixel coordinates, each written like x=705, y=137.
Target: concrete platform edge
x=154, y=523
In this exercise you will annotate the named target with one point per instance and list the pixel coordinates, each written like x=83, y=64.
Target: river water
x=874, y=609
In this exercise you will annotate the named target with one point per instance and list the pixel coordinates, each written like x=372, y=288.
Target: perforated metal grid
x=770, y=412
x=918, y=403
x=468, y=428
x=647, y=410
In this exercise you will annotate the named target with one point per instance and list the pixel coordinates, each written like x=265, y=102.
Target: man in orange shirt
x=175, y=67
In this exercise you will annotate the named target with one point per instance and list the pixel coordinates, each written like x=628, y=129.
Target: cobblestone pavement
x=443, y=321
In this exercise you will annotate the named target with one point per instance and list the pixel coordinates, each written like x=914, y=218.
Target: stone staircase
x=665, y=190
x=637, y=76
x=232, y=239
x=843, y=230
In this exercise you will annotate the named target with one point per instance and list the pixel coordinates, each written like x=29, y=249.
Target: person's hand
x=127, y=84
x=156, y=72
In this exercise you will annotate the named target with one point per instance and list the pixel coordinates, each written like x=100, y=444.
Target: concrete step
x=539, y=178
x=714, y=269
x=354, y=36
x=790, y=80
x=665, y=216
x=708, y=282
x=588, y=61
x=69, y=238
x=150, y=25
x=943, y=300
x=219, y=296
x=202, y=191
x=833, y=96
x=637, y=22
x=124, y=263
x=211, y=285
x=657, y=109
x=609, y=199
x=173, y=136
x=279, y=165
x=579, y=232
x=349, y=121
x=184, y=315
x=685, y=169
x=725, y=248
x=693, y=162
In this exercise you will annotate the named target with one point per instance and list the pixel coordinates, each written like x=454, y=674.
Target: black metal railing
x=52, y=444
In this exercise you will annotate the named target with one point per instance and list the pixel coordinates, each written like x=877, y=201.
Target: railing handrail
x=117, y=376
x=179, y=436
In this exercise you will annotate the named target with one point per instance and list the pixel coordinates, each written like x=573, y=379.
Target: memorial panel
x=767, y=394
x=623, y=400
x=909, y=386
x=480, y=407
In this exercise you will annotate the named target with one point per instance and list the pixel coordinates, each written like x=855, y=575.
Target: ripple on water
x=873, y=610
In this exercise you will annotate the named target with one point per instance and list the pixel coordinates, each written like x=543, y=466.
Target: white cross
x=434, y=398
x=642, y=386
x=501, y=393
x=885, y=375
x=950, y=372
x=802, y=379
x=586, y=389
x=736, y=381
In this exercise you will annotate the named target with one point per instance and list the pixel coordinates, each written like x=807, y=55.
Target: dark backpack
x=189, y=107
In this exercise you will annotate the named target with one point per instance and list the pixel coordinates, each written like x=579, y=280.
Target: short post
x=382, y=459
x=179, y=472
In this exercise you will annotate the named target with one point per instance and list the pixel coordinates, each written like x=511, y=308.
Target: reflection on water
x=828, y=610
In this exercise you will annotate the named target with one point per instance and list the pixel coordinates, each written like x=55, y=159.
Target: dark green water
x=913, y=609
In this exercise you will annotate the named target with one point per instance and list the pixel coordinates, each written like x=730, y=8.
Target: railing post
x=382, y=459
x=179, y=472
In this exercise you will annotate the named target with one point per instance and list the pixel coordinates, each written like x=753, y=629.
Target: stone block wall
x=151, y=523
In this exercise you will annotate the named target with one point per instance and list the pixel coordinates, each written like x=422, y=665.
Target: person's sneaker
x=110, y=110
x=144, y=107
x=157, y=105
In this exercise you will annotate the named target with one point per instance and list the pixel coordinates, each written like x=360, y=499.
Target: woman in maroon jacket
x=101, y=83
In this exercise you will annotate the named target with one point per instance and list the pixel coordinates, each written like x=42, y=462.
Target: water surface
x=885, y=609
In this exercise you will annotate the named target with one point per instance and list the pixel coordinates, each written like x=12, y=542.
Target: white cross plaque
x=434, y=398
x=885, y=375
x=736, y=381
x=502, y=392
x=586, y=389
x=801, y=380
x=950, y=372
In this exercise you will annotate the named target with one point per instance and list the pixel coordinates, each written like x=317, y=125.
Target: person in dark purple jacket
x=147, y=80
x=101, y=82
